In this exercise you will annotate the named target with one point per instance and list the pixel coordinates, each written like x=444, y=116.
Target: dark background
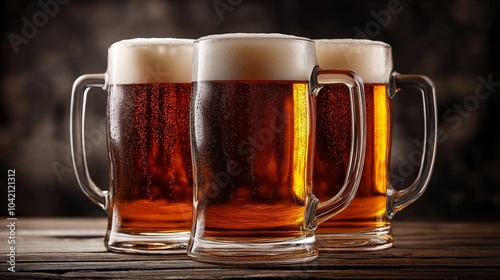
x=455, y=43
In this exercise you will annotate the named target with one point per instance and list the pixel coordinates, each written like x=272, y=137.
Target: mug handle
x=399, y=199
x=81, y=86
x=339, y=202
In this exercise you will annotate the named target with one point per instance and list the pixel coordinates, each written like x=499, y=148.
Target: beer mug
x=252, y=136
x=149, y=201
x=366, y=223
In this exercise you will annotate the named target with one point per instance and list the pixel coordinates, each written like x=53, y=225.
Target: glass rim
x=138, y=42
x=252, y=37
x=359, y=42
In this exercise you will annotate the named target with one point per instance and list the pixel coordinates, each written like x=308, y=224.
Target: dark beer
x=149, y=148
x=251, y=150
x=367, y=210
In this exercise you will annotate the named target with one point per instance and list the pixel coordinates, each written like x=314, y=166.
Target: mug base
x=257, y=253
x=172, y=243
x=373, y=240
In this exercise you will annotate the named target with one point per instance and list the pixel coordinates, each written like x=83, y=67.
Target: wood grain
x=55, y=248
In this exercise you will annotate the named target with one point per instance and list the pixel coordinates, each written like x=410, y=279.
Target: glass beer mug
x=366, y=223
x=149, y=201
x=252, y=136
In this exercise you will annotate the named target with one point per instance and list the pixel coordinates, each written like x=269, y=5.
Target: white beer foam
x=253, y=56
x=150, y=60
x=372, y=60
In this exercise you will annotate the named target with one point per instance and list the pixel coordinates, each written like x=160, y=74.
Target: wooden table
x=56, y=248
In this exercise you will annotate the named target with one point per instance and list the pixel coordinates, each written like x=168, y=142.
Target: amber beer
x=151, y=155
x=151, y=184
x=149, y=199
x=251, y=154
x=333, y=141
x=366, y=223
x=252, y=134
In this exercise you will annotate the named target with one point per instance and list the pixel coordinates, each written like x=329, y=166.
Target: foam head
x=254, y=56
x=150, y=60
x=372, y=60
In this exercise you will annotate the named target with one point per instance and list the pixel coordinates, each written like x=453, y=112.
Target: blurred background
x=47, y=44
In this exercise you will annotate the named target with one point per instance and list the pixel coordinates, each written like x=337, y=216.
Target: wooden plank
x=266, y=274
x=378, y=263
x=73, y=249
x=397, y=257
